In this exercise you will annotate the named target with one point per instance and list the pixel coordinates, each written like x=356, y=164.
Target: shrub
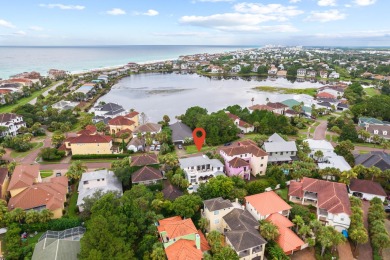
x=51, y=154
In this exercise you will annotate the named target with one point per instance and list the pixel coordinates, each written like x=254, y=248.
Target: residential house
x=28, y=192
x=248, y=152
x=144, y=159
x=151, y=128
x=280, y=150
x=171, y=192
x=64, y=105
x=180, y=132
x=262, y=205
x=323, y=74
x=136, y=145
x=260, y=107
x=334, y=75
x=282, y=73
x=330, y=158
x=88, y=130
x=238, y=226
x=330, y=198
x=146, y=175
x=12, y=122
x=120, y=123
x=57, y=74
x=87, y=89
x=382, y=131
x=89, y=144
x=277, y=107
x=311, y=73
x=181, y=239
x=109, y=110
x=200, y=168
x=367, y=189
x=242, y=125
x=375, y=158
x=301, y=73
x=324, y=94
x=273, y=70
x=4, y=182
x=91, y=182
x=364, y=121
x=306, y=110
x=59, y=245
x=235, y=69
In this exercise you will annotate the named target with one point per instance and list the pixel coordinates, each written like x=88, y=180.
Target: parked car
x=151, y=148
x=387, y=208
x=158, y=147
x=58, y=174
x=227, y=144
x=180, y=146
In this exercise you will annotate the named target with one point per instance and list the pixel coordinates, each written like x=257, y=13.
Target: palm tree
x=214, y=238
x=45, y=215
x=315, y=224
x=298, y=221
x=268, y=230
x=319, y=155
x=304, y=231
x=203, y=224
x=76, y=169
x=18, y=214
x=375, y=139
x=158, y=253
x=346, y=176
x=256, y=124
x=385, y=145
x=32, y=216
x=324, y=237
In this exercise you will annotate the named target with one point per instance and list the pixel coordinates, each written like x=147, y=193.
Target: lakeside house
x=88, y=144
x=200, y=168
x=241, y=124
x=64, y=105
x=107, y=111
x=151, y=128
x=280, y=150
x=180, y=132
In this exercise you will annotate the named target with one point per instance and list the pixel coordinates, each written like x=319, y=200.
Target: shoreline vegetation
x=308, y=91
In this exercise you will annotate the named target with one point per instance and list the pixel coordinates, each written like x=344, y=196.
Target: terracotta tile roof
x=3, y=175
x=177, y=227
x=144, y=159
x=243, y=148
x=367, y=186
x=287, y=239
x=121, y=120
x=237, y=162
x=295, y=189
x=331, y=196
x=49, y=194
x=240, y=122
x=118, y=134
x=132, y=114
x=23, y=176
x=91, y=128
x=276, y=105
x=146, y=173
x=325, y=95
x=267, y=203
x=244, y=124
x=204, y=245
x=5, y=91
x=261, y=107
x=86, y=139
x=183, y=250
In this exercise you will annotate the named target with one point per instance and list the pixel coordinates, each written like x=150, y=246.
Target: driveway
x=365, y=250
x=319, y=133
x=32, y=102
x=345, y=252
x=64, y=166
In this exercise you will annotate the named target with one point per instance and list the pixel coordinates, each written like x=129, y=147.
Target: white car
x=151, y=148
x=158, y=147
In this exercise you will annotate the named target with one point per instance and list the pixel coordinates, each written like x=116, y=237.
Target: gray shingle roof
x=377, y=158
x=180, y=131
x=217, y=204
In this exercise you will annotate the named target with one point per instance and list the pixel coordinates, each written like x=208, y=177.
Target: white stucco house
x=200, y=168
x=367, y=189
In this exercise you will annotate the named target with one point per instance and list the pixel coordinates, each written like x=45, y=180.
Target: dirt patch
x=305, y=254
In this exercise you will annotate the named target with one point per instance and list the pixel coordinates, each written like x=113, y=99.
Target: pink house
x=238, y=167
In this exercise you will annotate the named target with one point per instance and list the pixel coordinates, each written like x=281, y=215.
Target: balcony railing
x=311, y=196
x=323, y=212
x=243, y=253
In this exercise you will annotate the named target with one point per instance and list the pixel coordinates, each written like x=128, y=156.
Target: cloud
x=63, y=7
x=273, y=9
x=151, y=12
x=327, y=3
x=327, y=16
x=364, y=2
x=35, y=28
x=116, y=11
x=294, y=1
x=21, y=33
x=183, y=34
x=356, y=34
x=213, y=1
x=7, y=24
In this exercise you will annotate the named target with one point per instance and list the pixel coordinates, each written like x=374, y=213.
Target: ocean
x=15, y=60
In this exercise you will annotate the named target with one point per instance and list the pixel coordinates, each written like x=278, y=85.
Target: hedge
x=54, y=225
x=98, y=156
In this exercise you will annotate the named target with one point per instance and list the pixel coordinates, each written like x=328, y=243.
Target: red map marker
x=199, y=141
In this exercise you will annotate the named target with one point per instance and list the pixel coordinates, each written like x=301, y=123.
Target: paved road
x=63, y=166
x=365, y=250
x=32, y=102
x=319, y=133
x=345, y=252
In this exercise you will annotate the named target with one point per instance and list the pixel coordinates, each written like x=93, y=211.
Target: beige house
x=238, y=226
x=89, y=144
x=30, y=193
x=4, y=181
x=121, y=123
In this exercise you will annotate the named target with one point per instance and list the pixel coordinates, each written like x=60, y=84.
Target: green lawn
x=282, y=193
x=192, y=149
x=368, y=145
x=371, y=92
x=15, y=154
x=23, y=101
x=328, y=137
x=312, y=129
x=72, y=203
x=335, y=138
x=34, y=239
x=363, y=152
x=46, y=173
x=307, y=91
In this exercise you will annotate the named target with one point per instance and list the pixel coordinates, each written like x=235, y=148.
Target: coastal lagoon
x=157, y=94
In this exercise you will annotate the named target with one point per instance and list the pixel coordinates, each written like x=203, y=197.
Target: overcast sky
x=195, y=22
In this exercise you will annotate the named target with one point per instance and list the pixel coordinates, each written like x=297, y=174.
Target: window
x=376, y=132
x=261, y=165
x=216, y=221
x=342, y=219
x=103, y=179
x=216, y=212
x=98, y=179
x=270, y=154
x=384, y=132
x=281, y=153
x=85, y=182
x=262, y=158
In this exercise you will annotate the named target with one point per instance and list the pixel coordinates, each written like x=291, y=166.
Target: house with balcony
x=301, y=73
x=238, y=226
x=243, y=159
x=200, y=168
x=330, y=198
x=280, y=150
x=103, y=180
x=12, y=122
x=278, y=107
x=181, y=239
x=107, y=111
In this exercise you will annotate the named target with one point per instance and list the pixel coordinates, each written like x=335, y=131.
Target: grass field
x=371, y=92
x=34, y=239
x=191, y=149
x=23, y=101
x=307, y=91
x=15, y=154
x=282, y=193
x=368, y=145
x=73, y=203
x=46, y=173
